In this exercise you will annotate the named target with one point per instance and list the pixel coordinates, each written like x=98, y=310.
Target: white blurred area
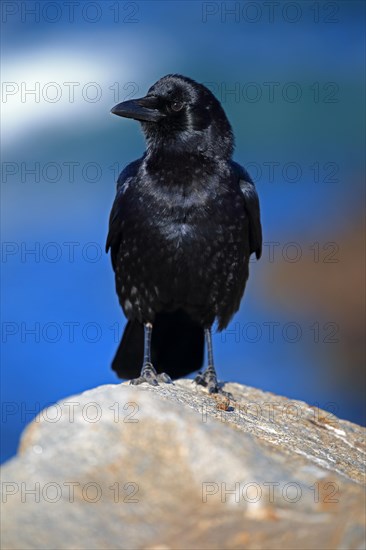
x=60, y=87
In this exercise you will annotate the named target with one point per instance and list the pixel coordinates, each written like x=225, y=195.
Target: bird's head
x=180, y=115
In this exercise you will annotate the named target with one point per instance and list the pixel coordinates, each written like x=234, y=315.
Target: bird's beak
x=145, y=108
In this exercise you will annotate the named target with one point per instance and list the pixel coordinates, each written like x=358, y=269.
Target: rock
x=171, y=467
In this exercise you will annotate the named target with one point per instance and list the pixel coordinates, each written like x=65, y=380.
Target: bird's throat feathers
x=166, y=166
x=209, y=142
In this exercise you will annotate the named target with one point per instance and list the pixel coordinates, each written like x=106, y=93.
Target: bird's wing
x=115, y=219
x=252, y=208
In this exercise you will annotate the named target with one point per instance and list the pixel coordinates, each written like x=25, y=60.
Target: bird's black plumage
x=183, y=225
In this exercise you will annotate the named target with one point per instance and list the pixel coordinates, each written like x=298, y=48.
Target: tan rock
x=171, y=467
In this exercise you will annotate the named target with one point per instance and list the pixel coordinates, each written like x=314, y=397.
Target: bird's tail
x=177, y=346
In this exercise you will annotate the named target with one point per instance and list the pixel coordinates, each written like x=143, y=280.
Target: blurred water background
x=290, y=76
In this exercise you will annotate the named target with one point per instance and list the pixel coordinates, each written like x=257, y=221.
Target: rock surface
x=171, y=467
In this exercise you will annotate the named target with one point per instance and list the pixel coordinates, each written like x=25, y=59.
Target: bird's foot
x=149, y=375
x=208, y=379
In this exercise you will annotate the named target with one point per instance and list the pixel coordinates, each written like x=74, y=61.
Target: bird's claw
x=208, y=379
x=149, y=375
x=165, y=378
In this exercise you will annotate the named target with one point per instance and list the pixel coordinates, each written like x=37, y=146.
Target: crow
x=183, y=225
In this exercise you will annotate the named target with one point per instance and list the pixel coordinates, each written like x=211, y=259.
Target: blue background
x=291, y=81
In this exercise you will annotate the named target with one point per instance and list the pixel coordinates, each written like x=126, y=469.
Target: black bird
x=183, y=225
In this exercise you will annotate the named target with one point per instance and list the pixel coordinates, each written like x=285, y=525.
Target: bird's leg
x=148, y=373
x=208, y=378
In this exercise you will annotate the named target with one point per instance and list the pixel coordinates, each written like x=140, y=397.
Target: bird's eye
x=176, y=106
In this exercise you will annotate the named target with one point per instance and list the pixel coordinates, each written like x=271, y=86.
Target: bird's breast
x=178, y=220
x=179, y=235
